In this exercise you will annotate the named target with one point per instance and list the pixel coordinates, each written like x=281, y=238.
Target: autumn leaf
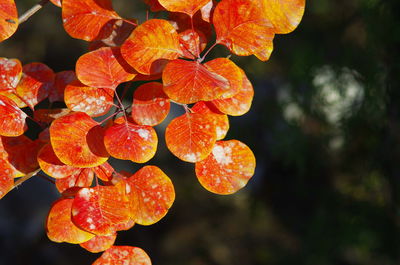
x=49, y=115
x=11, y=71
x=8, y=19
x=62, y=79
x=99, y=243
x=83, y=178
x=12, y=118
x=220, y=120
x=227, y=169
x=192, y=43
x=123, y=255
x=183, y=6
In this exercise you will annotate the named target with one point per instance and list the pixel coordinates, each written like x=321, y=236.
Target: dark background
x=325, y=129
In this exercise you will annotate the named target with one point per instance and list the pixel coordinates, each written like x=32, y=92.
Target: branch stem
x=25, y=16
x=24, y=178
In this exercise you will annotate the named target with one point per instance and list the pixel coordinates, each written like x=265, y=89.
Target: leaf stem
x=25, y=16
x=207, y=52
x=24, y=178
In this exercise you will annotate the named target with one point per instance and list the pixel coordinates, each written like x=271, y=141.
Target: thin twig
x=25, y=16
x=206, y=53
x=24, y=178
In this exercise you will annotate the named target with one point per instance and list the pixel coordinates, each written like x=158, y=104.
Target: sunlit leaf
x=35, y=84
x=8, y=19
x=240, y=103
x=56, y=2
x=192, y=43
x=88, y=19
x=228, y=168
x=242, y=27
x=61, y=80
x=123, y=255
x=206, y=11
x=104, y=68
x=129, y=141
x=125, y=226
x=59, y=226
x=285, y=15
x=81, y=179
x=11, y=71
x=93, y=101
x=104, y=171
x=150, y=104
x=220, y=120
x=100, y=209
x=77, y=140
x=151, y=195
x=191, y=136
x=99, y=243
x=12, y=118
x=183, y=6
x=183, y=22
x=188, y=82
x=150, y=46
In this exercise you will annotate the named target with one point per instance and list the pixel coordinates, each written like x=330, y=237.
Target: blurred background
x=325, y=129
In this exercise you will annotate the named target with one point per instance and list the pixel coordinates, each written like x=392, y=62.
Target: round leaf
x=12, y=118
x=8, y=19
x=62, y=79
x=285, y=15
x=99, y=243
x=220, y=120
x=123, y=255
x=11, y=71
x=183, y=6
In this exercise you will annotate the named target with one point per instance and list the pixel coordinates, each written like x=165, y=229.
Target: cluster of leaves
x=73, y=148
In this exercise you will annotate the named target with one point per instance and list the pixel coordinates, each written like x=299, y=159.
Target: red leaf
x=104, y=171
x=88, y=19
x=104, y=68
x=121, y=29
x=129, y=141
x=242, y=27
x=49, y=115
x=99, y=209
x=220, y=120
x=183, y=6
x=191, y=136
x=228, y=168
x=93, y=101
x=56, y=2
x=35, y=84
x=11, y=71
x=6, y=177
x=240, y=103
x=59, y=226
x=12, y=119
x=77, y=140
x=150, y=45
x=123, y=255
x=99, y=243
x=192, y=43
x=62, y=79
x=150, y=104
x=81, y=179
x=8, y=19
x=151, y=194
x=183, y=22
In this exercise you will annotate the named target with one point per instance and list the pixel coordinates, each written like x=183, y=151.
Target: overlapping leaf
x=99, y=243
x=104, y=68
x=192, y=43
x=151, y=194
x=183, y=22
x=150, y=45
x=228, y=168
x=60, y=227
x=93, y=101
x=150, y=104
x=154, y=5
x=129, y=141
x=183, y=6
x=6, y=177
x=220, y=120
x=191, y=136
x=77, y=140
x=88, y=19
x=99, y=209
x=83, y=178
x=12, y=118
x=285, y=15
x=62, y=79
x=11, y=71
x=121, y=29
x=242, y=27
x=49, y=115
x=123, y=255
x=8, y=19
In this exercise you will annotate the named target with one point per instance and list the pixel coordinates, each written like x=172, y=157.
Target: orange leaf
x=104, y=171
x=93, y=101
x=77, y=140
x=125, y=226
x=183, y=22
x=242, y=27
x=150, y=104
x=150, y=46
x=188, y=82
x=11, y=71
x=123, y=255
x=80, y=179
x=99, y=243
x=56, y=2
x=104, y=68
x=100, y=209
x=183, y=6
x=240, y=103
x=88, y=19
x=151, y=194
x=6, y=177
x=121, y=29
x=191, y=136
x=35, y=84
x=129, y=141
x=285, y=15
x=49, y=115
x=59, y=226
x=220, y=120
x=206, y=11
x=192, y=43
x=228, y=168
x=12, y=118
x=62, y=79
x=8, y=19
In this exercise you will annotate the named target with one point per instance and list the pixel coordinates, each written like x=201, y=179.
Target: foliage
x=73, y=147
